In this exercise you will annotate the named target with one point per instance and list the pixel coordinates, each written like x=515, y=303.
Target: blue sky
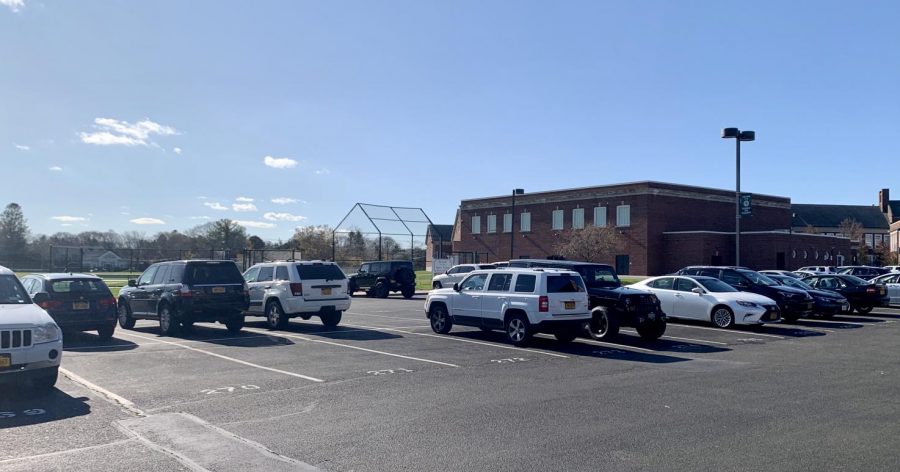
x=150, y=116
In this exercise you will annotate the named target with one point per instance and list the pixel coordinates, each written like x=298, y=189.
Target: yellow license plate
x=81, y=305
x=570, y=305
x=5, y=361
x=218, y=290
x=326, y=291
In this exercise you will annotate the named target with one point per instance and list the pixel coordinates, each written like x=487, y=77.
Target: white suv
x=456, y=274
x=287, y=289
x=521, y=302
x=30, y=341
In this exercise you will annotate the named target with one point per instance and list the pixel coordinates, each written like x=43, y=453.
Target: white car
x=891, y=281
x=785, y=273
x=521, y=302
x=893, y=268
x=286, y=289
x=819, y=269
x=30, y=341
x=710, y=299
x=456, y=274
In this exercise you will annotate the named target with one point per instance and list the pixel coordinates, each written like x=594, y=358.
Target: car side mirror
x=132, y=283
x=697, y=290
x=40, y=297
x=456, y=287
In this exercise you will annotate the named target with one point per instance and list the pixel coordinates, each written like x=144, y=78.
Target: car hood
x=617, y=292
x=789, y=290
x=13, y=316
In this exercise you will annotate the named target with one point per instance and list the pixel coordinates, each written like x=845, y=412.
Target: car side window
x=474, y=283
x=162, y=274
x=265, y=274
x=281, y=273
x=664, y=283
x=250, y=275
x=452, y=271
x=714, y=273
x=525, y=283
x=684, y=285
x=732, y=278
x=465, y=270
x=363, y=269
x=147, y=276
x=500, y=283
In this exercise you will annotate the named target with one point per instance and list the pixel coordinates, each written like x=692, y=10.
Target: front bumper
x=804, y=307
x=830, y=307
x=35, y=357
x=757, y=316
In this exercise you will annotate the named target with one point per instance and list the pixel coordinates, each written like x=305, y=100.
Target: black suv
x=380, y=278
x=792, y=302
x=612, y=304
x=180, y=293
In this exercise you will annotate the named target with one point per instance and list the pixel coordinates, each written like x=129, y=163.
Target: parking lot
x=383, y=392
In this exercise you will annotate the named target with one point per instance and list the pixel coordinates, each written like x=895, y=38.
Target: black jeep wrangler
x=380, y=278
x=612, y=304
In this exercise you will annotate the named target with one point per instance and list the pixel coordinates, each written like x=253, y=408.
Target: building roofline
x=775, y=231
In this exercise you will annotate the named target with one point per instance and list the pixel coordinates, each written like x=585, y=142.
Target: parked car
x=821, y=269
x=77, y=302
x=807, y=273
x=792, y=302
x=287, y=289
x=380, y=278
x=862, y=294
x=891, y=282
x=892, y=268
x=785, y=273
x=612, y=305
x=30, y=341
x=826, y=303
x=710, y=299
x=180, y=293
x=863, y=272
x=456, y=274
x=500, y=265
x=521, y=302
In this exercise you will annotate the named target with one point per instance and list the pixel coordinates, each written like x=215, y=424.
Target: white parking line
x=388, y=317
x=304, y=338
x=231, y=359
x=106, y=394
x=680, y=339
x=738, y=332
x=453, y=338
x=815, y=320
x=614, y=345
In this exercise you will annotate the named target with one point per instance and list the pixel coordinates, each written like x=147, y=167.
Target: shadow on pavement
x=21, y=406
x=786, y=330
x=314, y=328
x=79, y=341
x=667, y=345
x=840, y=324
x=222, y=337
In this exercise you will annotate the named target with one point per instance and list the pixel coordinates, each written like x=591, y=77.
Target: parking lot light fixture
x=738, y=136
x=512, y=222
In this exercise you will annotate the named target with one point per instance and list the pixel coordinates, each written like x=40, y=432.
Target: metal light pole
x=512, y=221
x=738, y=136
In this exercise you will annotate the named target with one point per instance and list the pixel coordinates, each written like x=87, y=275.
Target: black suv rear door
x=139, y=297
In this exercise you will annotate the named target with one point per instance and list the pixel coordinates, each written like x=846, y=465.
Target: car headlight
x=747, y=304
x=45, y=333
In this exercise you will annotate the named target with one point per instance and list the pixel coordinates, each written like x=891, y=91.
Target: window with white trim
x=578, y=218
x=507, y=223
x=623, y=215
x=558, y=217
x=476, y=224
x=600, y=217
x=525, y=221
x=492, y=224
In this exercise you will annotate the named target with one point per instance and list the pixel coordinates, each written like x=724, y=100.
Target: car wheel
x=518, y=330
x=436, y=285
x=45, y=383
x=408, y=292
x=187, y=328
x=382, y=290
x=652, y=331
x=106, y=332
x=441, y=322
x=331, y=319
x=126, y=321
x=275, y=316
x=351, y=289
x=603, y=325
x=168, y=325
x=722, y=317
x=235, y=324
x=863, y=309
x=566, y=337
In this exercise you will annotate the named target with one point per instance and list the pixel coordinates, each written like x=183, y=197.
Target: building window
x=492, y=224
x=525, y=221
x=558, y=219
x=600, y=217
x=578, y=218
x=507, y=223
x=476, y=224
x=870, y=240
x=623, y=215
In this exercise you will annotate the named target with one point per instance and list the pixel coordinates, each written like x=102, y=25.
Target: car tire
x=603, y=325
x=722, y=317
x=275, y=317
x=235, y=324
x=45, y=383
x=566, y=337
x=106, y=332
x=126, y=321
x=864, y=309
x=351, y=289
x=331, y=320
x=652, y=331
x=437, y=285
x=168, y=325
x=408, y=292
x=441, y=323
x=382, y=290
x=518, y=330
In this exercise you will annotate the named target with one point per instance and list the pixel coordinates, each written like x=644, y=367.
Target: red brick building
x=664, y=226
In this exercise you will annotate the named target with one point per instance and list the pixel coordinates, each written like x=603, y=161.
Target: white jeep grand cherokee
x=30, y=341
x=521, y=302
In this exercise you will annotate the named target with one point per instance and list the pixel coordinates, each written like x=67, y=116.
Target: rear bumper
x=211, y=311
x=296, y=305
x=571, y=323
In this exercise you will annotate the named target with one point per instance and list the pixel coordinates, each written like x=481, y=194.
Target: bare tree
x=852, y=229
x=591, y=244
x=810, y=229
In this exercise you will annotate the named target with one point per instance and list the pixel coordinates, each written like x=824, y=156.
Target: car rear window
x=320, y=272
x=564, y=284
x=78, y=286
x=207, y=273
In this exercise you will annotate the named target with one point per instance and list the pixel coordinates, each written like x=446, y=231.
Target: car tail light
x=297, y=290
x=107, y=302
x=184, y=292
x=50, y=304
x=871, y=290
x=543, y=304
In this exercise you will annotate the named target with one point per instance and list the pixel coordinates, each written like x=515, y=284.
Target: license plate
x=5, y=360
x=218, y=290
x=569, y=305
x=81, y=305
x=326, y=291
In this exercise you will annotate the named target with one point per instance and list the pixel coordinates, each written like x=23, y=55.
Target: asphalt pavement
x=382, y=392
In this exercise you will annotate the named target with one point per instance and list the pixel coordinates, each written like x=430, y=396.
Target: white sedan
x=892, y=282
x=710, y=299
x=456, y=274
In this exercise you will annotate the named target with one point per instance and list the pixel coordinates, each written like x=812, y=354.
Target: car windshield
x=598, y=276
x=792, y=282
x=757, y=278
x=716, y=285
x=12, y=292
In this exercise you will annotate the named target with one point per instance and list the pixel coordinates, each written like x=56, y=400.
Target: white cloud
x=284, y=200
x=279, y=162
x=215, y=206
x=14, y=5
x=255, y=224
x=56, y=169
x=323, y=172
x=243, y=207
x=68, y=219
x=148, y=221
x=115, y=132
x=177, y=150
x=124, y=213
x=272, y=216
x=21, y=147
x=243, y=199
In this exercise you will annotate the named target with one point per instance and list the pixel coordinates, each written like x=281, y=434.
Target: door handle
x=267, y=287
